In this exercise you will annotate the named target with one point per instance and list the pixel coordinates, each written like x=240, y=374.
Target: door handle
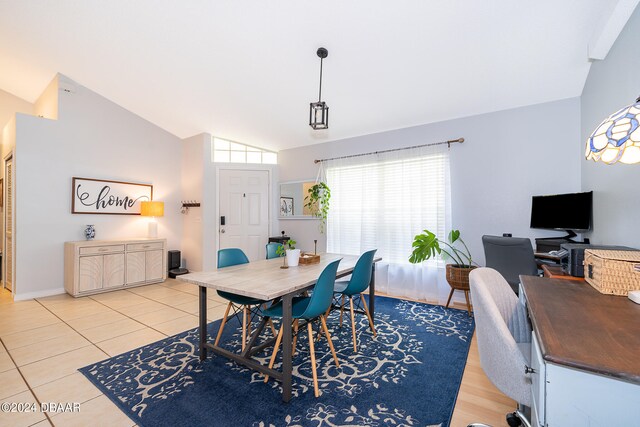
x=222, y=230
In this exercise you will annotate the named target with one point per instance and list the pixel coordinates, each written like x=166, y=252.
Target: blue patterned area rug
x=408, y=375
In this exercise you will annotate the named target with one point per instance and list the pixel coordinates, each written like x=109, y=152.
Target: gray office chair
x=504, y=339
x=511, y=256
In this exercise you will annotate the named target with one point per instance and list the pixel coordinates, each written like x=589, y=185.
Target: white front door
x=244, y=205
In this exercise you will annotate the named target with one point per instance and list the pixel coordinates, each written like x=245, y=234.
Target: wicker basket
x=612, y=272
x=308, y=258
x=458, y=277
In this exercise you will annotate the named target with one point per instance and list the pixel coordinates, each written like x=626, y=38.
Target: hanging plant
x=317, y=201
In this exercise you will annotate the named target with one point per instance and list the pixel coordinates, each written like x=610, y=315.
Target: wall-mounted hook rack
x=186, y=204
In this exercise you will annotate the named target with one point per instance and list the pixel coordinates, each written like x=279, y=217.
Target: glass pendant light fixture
x=617, y=138
x=319, y=111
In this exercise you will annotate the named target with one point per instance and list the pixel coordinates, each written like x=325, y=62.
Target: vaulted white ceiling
x=247, y=70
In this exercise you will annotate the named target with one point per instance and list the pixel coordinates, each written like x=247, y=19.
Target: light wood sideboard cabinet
x=93, y=266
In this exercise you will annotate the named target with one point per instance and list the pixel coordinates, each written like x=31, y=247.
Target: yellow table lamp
x=153, y=210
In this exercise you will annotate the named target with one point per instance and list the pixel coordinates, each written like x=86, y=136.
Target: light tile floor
x=43, y=342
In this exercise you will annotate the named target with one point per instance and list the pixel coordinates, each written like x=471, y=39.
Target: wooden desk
x=556, y=272
x=585, y=351
x=265, y=280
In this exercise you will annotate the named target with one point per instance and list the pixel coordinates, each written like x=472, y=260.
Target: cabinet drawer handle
x=145, y=246
x=103, y=250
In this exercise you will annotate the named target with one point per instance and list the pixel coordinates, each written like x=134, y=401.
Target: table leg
x=372, y=292
x=203, y=322
x=287, y=361
x=252, y=340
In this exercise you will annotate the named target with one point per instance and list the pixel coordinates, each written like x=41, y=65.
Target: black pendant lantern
x=319, y=111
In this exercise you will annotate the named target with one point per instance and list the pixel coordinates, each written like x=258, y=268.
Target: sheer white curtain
x=382, y=201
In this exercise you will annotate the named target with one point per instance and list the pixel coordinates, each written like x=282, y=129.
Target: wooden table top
x=579, y=327
x=265, y=279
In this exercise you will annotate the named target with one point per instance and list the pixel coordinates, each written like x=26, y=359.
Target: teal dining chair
x=227, y=258
x=354, y=288
x=310, y=309
x=271, y=250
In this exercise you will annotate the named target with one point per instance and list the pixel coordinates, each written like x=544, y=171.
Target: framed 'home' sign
x=99, y=196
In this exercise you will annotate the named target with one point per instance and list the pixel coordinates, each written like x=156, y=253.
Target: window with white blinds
x=382, y=201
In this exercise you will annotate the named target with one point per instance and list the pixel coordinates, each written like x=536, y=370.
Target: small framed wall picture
x=286, y=206
x=99, y=196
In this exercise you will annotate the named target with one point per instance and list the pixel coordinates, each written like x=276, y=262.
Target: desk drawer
x=101, y=250
x=144, y=246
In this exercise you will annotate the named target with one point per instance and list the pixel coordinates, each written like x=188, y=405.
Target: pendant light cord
x=320, y=92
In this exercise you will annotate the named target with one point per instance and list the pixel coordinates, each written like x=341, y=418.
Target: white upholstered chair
x=504, y=339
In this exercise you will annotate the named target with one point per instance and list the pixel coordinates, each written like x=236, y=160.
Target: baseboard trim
x=38, y=294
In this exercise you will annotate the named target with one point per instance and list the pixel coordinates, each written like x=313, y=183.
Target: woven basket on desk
x=612, y=272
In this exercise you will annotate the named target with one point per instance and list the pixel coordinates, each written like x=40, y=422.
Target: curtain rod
x=451, y=141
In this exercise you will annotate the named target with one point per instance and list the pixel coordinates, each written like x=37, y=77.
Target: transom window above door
x=225, y=151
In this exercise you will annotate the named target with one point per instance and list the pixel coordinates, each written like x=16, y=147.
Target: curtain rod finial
x=460, y=139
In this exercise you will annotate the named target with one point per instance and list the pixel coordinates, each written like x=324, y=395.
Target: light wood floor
x=43, y=342
x=479, y=401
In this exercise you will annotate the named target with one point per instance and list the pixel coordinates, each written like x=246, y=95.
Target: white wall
x=10, y=105
x=92, y=138
x=47, y=104
x=192, y=189
x=209, y=209
x=8, y=140
x=612, y=84
x=8, y=144
x=508, y=156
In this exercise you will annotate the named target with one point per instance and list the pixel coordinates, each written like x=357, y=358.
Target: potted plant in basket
x=427, y=245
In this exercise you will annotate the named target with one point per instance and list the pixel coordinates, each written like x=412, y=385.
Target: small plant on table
x=281, y=251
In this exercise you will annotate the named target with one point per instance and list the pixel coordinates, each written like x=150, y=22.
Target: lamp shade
x=152, y=208
x=617, y=138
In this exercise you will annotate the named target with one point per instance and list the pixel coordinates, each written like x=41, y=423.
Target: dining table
x=266, y=280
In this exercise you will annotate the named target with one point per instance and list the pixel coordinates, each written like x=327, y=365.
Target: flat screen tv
x=571, y=212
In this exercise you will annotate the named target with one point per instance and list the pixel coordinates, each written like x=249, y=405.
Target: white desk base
x=565, y=397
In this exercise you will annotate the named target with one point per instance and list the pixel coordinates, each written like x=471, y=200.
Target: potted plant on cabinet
x=427, y=245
